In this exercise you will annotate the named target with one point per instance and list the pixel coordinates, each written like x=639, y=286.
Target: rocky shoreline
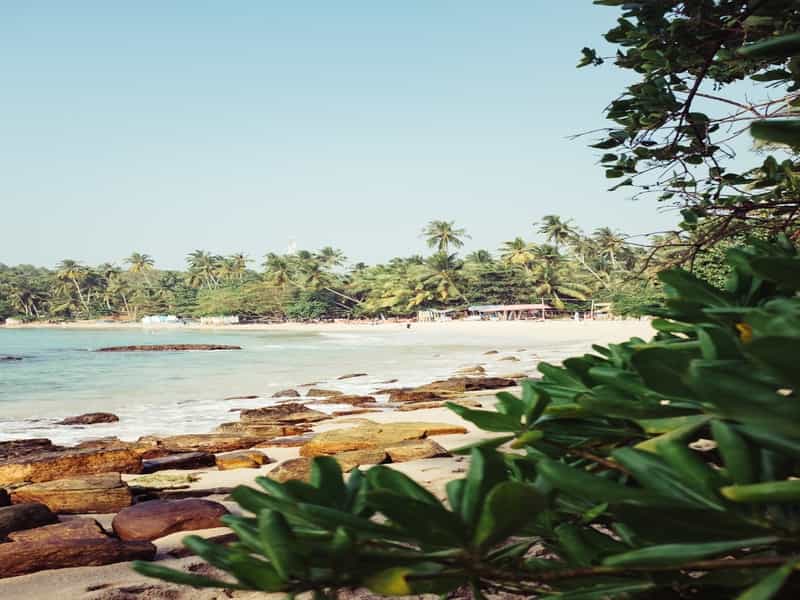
x=107, y=501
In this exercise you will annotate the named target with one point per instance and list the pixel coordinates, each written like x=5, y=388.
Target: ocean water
x=184, y=392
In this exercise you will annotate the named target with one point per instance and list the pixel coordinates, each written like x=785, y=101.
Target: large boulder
x=47, y=466
x=104, y=493
x=373, y=435
x=245, y=459
x=183, y=461
x=90, y=419
x=74, y=543
x=24, y=516
x=157, y=518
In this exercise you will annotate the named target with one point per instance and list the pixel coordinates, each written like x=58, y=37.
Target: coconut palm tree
x=203, y=269
x=442, y=274
x=71, y=271
x=278, y=270
x=479, y=257
x=444, y=234
x=551, y=282
x=556, y=230
x=517, y=252
x=331, y=257
x=610, y=243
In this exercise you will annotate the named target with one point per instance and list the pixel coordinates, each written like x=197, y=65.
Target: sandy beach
x=119, y=582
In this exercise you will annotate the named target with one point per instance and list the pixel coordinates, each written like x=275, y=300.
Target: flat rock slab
x=300, y=468
x=18, y=448
x=320, y=393
x=75, y=543
x=48, y=466
x=24, y=516
x=351, y=376
x=90, y=419
x=415, y=450
x=157, y=518
x=373, y=435
x=262, y=431
x=247, y=459
x=185, y=460
x=163, y=481
x=168, y=348
x=354, y=399
x=202, y=442
x=287, y=442
x=105, y=493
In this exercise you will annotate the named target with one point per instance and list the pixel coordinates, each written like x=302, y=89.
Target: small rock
x=249, y=459
x=104, y=493
x=24, y=516
x=509, y=358
x=286, y=394
x=253, y=397
x=156, y=518
x=490, y=352
x=475, y=370
x=185, y=460
x=10, y=358
x=387, y=382
x=320, y=393
x=164, y=481
x=290, y=412
x=352, y=376
x=90, y=419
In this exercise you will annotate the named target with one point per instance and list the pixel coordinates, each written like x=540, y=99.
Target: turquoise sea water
x=173, y=392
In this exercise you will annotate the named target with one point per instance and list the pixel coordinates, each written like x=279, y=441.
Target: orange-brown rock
x=409, y=406
x=355, y=411
x=58, y=465
x=468, y=384
x=320, y=393
x=417, y=395
x=415, y=450
x=260, y=430
x=183, y=461
x=373, y=435
x=104, y=493
x=353, y=399
x=202, y=442
x=300, y=468
x=75, y=543
x=288, y=413
x=286, y=442
x=245, y=459
x=286, y=394
x=24, y=516
x=157, y=518
x=18, y=448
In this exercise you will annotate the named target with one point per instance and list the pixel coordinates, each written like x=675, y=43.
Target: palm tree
x=278, y=270
x=203, y=269
x=610, y=243
x=517, y=252
x=479, y=257
x=141, y=263
x=238, y=264
x=557, y=230
x=442, y=273
x=551, y=282
x=331, y=257
x=443, y=234
x=73, y=272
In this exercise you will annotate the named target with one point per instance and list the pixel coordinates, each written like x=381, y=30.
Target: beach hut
x=432, y=315
x=511, y=312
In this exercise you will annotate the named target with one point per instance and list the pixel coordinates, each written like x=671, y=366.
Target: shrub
x=661, y=468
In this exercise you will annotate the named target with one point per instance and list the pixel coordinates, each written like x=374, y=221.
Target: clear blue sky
x=163, y=127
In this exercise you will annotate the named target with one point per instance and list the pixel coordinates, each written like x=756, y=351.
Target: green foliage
x=613, y=489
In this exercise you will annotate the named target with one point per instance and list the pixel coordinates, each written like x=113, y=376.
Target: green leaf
x=509, y=506
x=691, y=287
x=485, y=419
x=628, y=588
x=781, y=131
x=279, y=544
x=678, y=554
x=767, y=492
x=778, y=355
x=392, y=480
x=181, y=578
x=492, y=443
x=782, y=46
x=771, y=584
x=740, y=459
x=487, y=469
x=326, y=475
x=429, y=523
x=664, y=370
